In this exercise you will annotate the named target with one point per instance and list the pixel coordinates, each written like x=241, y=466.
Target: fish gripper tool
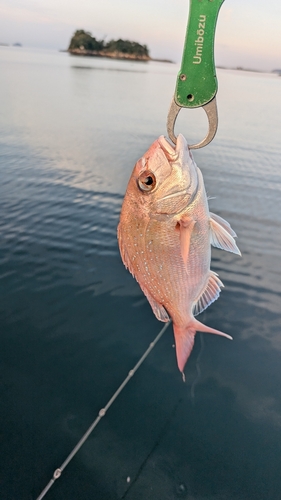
x=196, y=84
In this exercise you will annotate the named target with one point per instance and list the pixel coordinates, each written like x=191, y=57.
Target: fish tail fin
x=184, y=338
x=204, y=328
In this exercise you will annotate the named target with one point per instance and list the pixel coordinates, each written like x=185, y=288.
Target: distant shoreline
x=133, y=57
x=114, y=55
x=142, y=58
x=240, y=68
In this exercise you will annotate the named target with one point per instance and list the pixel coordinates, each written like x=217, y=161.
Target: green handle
x=197, y=81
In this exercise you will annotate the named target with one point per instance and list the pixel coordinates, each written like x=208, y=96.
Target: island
x=83, y=43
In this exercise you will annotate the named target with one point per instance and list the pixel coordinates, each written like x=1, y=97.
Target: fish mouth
x=178, y=197
x=175, y=151
x=181, y=155
x=168, y=148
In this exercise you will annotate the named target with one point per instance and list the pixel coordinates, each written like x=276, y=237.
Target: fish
x=165, y=235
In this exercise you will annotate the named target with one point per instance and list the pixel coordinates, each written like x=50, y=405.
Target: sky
x=248, y=32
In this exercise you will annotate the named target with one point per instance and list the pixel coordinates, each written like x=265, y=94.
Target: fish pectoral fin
x=159, y=310
x=186, y=225
x=222, y=235
x=210, y=293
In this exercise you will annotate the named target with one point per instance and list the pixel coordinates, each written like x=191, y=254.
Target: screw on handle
x=197, y=82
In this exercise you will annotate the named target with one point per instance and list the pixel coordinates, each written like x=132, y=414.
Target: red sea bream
x=165, y=236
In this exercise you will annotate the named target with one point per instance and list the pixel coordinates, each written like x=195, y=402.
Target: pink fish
x=165, y=236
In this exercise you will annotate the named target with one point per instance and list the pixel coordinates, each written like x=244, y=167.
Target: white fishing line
x=102, y=412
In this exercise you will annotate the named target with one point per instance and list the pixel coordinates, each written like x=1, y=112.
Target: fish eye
x=147, y=181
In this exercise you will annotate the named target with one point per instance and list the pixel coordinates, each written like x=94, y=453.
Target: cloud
x=247, y=34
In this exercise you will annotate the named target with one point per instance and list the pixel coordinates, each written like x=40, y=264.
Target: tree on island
x=84, y=43
x=127, y=47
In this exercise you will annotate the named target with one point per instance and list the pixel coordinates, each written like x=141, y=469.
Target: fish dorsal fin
x=186, y=225
x=159, y=310
x=124, y=255
x=222, y=236
x=210, y=294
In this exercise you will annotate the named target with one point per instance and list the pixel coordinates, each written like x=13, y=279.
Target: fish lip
x=168, y=148
x=179, y=153
x=174, y=151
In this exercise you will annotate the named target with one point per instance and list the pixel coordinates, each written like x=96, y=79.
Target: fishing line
x=102, y=412
x=154, y=447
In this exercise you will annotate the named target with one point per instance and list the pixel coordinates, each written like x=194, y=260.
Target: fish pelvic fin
x=184, y=338
x=222, y=235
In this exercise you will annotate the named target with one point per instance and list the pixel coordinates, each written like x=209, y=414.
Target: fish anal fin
x=222, y=235
x=186, y=225
x=184, y=338
x=210, y=293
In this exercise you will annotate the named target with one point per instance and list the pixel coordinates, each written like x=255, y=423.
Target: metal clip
x=212, y=114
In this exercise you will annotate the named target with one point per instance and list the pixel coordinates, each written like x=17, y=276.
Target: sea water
x=73, y=322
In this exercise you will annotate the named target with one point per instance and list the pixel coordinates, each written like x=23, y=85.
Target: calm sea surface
x=72, y=320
